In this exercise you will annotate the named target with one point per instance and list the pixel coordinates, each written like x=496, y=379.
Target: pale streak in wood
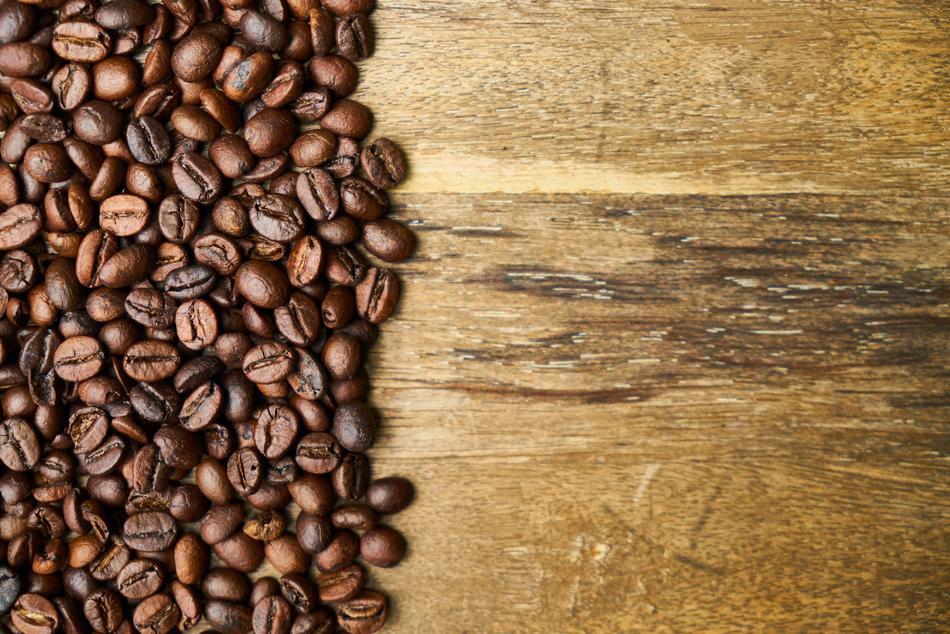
x=668, y=413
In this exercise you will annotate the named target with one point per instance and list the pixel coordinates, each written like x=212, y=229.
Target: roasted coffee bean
x=34, y=614
x=148, y=141
x=196, y=177
x=362, y=614
x=262, y=284
x=158, y=614
x=351, y=477
x=150, y=360
x=220, y=522
x=103, y=610
x=224, y=584
x=356, y=517
x=388, y=239
x=191, y=559
x=150, y=531
x=318, y=193
x=189, y=604
x=382, y=546
x=240, y=552
x=196, y=56
x=225, y=617
x=377, y=295
x=140, y=579
x=272, y=615
x=339, y=553
x=246, y=471
x=180, y=449
x=341, y=585
x=187, y=503
x=190, y=282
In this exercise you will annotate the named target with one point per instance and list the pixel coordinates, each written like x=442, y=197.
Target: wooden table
x=673, y=353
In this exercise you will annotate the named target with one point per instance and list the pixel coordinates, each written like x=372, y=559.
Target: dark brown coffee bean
x=248, y=78
x=354, y=37
x=158, y=614
x=382, y=546
x=357, y=517
x=124, y=214
x=354, y=426
x=272, y=615
x=285, y=87
x=344, y=8
x=225, y=617
x=224, y=584
x=150, y=307
x=362, y=614
x=78, y=358
x=318, y=453
x=87, y=428
x=305, y=261
x=190, y=282
x=103, y=610
x=270, y=131
x=233, y=157
x=246, y=471
x=314, y=532
x=335, y=73
x=341, y=355
x=34, y=614
x=16, y=23
x=309, y=380
x=196, y=56
x=339, y=553
x=275, y=431
x=180, y=448
x=388, y=240
x=196, y=371
x=384, y=163
x=285, y=554
x=377, y=295
x=32, y=96
x=262, y=284
x=351, y=476
x=140, y=579
x=300, y=591
x=311, y=105
x=19, y=446
x=19, y=225
x=268, y=363
x=124, y=14
x=196, y=324
x=151, y=360
x=240, y=552
x=318, y=193
x=98, y=122
x=298, y=320
x=125, y=267
x=342, y=585
x=196, y=177
x=187, y=503
x=151, y=531
x=348, y=118
x=191, y=559
x=24, y=59
x=148, y=141
x=115, y=78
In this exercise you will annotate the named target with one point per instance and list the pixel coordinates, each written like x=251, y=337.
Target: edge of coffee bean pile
x=194, y=252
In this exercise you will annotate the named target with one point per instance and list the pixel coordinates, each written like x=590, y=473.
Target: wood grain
x=666, y=413
x=665, y=96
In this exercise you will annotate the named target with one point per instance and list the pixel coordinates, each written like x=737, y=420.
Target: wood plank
x=667, y=414
x=665, y=96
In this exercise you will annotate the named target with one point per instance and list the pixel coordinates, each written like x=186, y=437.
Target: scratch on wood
x=648, y=474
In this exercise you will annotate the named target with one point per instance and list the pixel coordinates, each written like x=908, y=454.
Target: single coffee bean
x=348, y=118
x=103, y=610
x=151, y=360
x=190, y=282
x=158, y=614
x=362, y=614
x=354, y=426
x=351, y=476
x=354, y=37
x=196, y=56
x=223, y=616
x=318, y=453
x=246, y=471
x=262, y=284
x=388, y=239
x=300, y=591
x=196, y=177
x=384, y=163
x=270, y=131
x=357, y=517
x=140, y=579
x=150, y=531
x=148, y=141
x=341, y=585
x=98, y=122
x=314, y=532
x=382, y=546
x=224, y=584
x=34, y=614
x=272, y=615
x=339, y=553
x=189, y=604
x=124, y=214
x=318, y=193
x=377, y=295
x=78, y=358
x=19, y=225
x=240, y=552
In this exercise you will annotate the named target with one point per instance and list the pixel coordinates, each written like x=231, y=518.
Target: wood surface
x=672, y=355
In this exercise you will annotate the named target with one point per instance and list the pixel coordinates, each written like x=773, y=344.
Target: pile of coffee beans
x=192, y=268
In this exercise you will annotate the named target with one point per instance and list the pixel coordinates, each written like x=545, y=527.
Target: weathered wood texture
x=709, y=394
